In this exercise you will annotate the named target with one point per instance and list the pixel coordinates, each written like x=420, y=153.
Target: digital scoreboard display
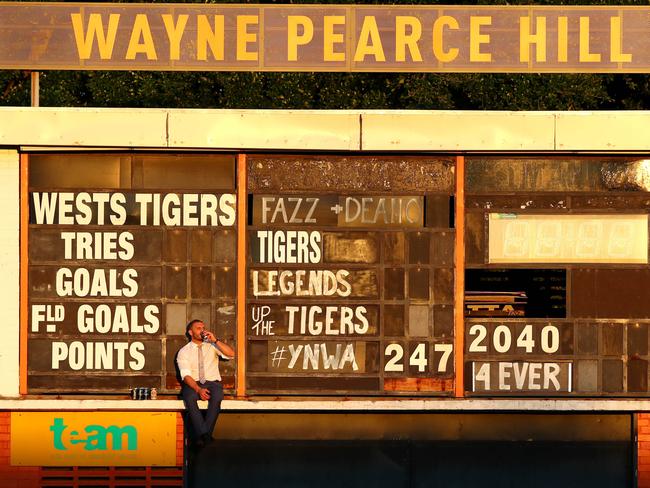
x=522, y=238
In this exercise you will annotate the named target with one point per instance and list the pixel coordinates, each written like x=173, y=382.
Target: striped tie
x=201, y=366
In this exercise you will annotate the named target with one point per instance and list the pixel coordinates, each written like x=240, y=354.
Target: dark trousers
x=203, y=423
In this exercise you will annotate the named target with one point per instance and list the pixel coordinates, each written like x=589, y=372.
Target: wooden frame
x=242, y=220
x=24, y=270
x=459, y=281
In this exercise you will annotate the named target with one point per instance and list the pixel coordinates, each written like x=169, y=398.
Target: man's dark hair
x=189, y=326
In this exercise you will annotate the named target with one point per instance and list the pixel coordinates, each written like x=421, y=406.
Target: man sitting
x=198, y=362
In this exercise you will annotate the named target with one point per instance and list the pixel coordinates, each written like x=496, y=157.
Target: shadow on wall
x=391, y=464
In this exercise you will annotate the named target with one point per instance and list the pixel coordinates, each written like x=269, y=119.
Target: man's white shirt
x=188, y=361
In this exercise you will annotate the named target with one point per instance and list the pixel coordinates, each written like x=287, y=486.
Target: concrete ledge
x=324, y=130
x=458, y=131
x=603, y=131
x=83, y=127
x=393, y=405
x=305, y=130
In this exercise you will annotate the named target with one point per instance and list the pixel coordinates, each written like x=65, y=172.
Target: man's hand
x=204, y=393
x=210, y=336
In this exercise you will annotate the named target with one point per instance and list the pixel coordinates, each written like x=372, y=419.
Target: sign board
x=353, y=38
x=114, y=275
x=349, y=288
x=93, y=438
x=316, y=287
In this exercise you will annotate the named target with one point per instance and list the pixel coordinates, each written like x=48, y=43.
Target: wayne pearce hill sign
x=190, y=37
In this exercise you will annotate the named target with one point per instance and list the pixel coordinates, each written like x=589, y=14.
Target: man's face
x=196, y=329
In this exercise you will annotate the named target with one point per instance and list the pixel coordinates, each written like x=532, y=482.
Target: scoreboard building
x=415, y=297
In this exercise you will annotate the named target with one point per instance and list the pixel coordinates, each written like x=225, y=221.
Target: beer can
x=134, y=393
x=154, y=394
x=140, y=393
x=147, y=392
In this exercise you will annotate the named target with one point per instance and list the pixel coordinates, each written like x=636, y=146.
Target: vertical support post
x=35, y=88
x=459, y=281
x=24, y=227
x=242, y=220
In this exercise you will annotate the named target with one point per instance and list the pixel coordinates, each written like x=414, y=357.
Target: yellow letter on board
x=526, y=39
x=438, y=44
x=205, y=37
x=330, y=38
x=244, y=37
x=369, y=41
x=402, y=39
x=476, y=38
x=293, y=38
x=175, y=34
x=141, y=30
x=562, y=39
x=585, y=55
x=105, y=43
x=616, y=54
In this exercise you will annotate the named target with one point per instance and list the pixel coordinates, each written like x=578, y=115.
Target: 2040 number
x=548, y=339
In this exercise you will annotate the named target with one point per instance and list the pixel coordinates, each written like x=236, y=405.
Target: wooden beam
x=242, y=220
x=459, y=282
x=24, y=227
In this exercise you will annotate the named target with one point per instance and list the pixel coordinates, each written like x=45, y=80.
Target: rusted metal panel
x=610, y=293
x=349, y=174
x=555, y=174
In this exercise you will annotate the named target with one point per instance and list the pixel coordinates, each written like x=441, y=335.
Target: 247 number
x=418, y=358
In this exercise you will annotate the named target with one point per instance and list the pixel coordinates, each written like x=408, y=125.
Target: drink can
x=154, y=394
x=147, y=393
x=140, y=393
x=134, y=393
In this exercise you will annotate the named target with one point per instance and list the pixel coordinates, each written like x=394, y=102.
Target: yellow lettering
x=206, y=36
x=562, y=39
x=585, y=55
x=616, y=54
x=526, y=39
x=244, y=37
x=438, y=44
x=175, y=34
x=141, y=30
x=330, y=38
x=369, y=41
x=85, y=41
x=293, y=38
x=476, y=38
x=410, y=40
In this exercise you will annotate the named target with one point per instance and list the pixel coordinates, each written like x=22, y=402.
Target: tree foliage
x=430, y=91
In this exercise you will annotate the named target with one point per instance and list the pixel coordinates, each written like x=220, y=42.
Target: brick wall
x=14, y=476
x=643, y=433
x=179, y=439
